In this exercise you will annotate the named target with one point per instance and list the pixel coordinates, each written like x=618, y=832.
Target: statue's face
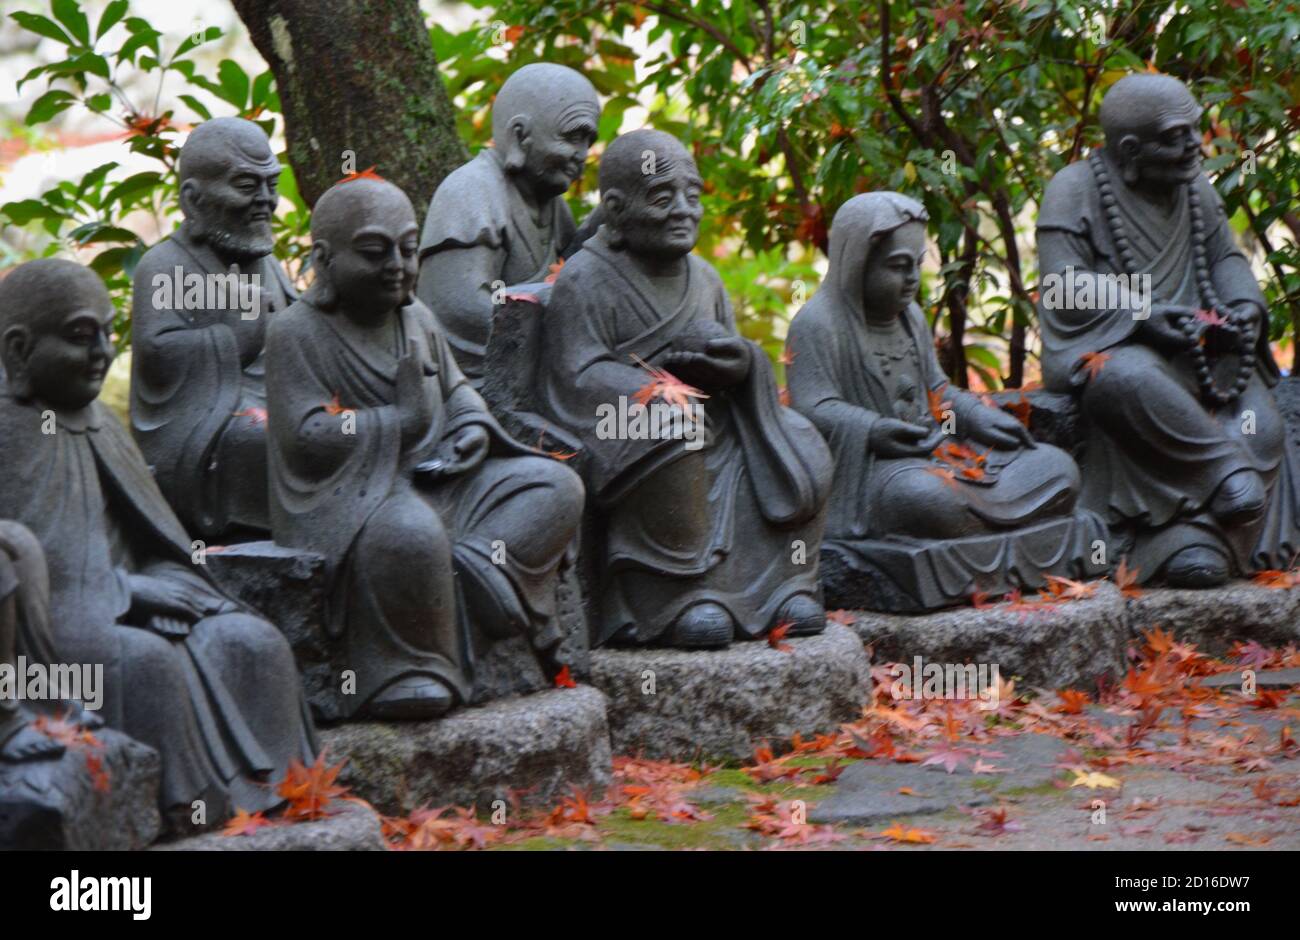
x=1168, y=149
x=555, y=148
x=66, y=353
x=232, y=212
x=662, y=218
x=893, y=271
x=373, y=269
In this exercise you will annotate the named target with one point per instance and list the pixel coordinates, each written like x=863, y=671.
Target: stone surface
x=1053, y=418
x=868, y=791
x=1264, y=679
x=538, y=747
x=723, y=703
x=1213, y=619
x=53, y=804
x=288, y=586
x=354, y=828
x=1068, y=645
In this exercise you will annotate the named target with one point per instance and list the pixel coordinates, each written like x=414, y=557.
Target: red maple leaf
x=563, y=679
x=256, y=415
x=554, y=271
x=663, y=384
x=1093, y=362
x=1126, y=579
x=367, y=174
x=333, y=407
x=310, y=790
x=777, y=634
x=245, y=823
x=937, y=404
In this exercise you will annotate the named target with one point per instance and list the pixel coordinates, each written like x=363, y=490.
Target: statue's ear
x=15, y=347
x=1128, y=148
x=516, y=143
x=191, y=196
x=612, y=204
x=323, y=293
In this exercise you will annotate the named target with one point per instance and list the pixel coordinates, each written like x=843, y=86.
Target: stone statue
x=501, y=219
x=937, y=494
x=201, y=304
x=438, y=528
x=188, y=671
x=712, y=515
x=1162, y=333
x=24, y=628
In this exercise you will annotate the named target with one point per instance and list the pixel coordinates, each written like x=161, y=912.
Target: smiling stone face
x=366, y=239
x=651, y=186
x=55, y=318
x=544, y=122
x=1152, y=126
x=229, y=179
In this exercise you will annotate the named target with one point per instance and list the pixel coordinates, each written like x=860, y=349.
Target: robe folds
x=417, y=568
x=223, y=705
x=737, y=521
x=477, y=205
x=198, y=389
x=1156, y=453
x=936, y=538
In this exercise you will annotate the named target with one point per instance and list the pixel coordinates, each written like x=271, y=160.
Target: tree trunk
x=359, y=76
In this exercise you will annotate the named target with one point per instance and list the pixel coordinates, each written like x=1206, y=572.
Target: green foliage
x=793, y=106
x=92, y=75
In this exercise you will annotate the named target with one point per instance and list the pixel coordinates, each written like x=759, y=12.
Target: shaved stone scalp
x=622, y=166
x=1135, y=101
x=345, y=206
x=541, y=87
x=208, y=150
x=39, y=289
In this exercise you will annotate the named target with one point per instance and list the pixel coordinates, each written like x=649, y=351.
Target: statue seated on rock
x=709, y=509
x=937, y=495
x=202, y=300
x=207, y=683
x=501, y=219
x=441, y=534
x=1160, y=330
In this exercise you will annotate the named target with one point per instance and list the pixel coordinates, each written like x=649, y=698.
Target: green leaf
x=68, y=12
x=35, y=23
x=233, y=82
x=100, y=103
x=197, y=106
x=209, y=34
x=111, y=16
x=24, y=211
x=49, y=104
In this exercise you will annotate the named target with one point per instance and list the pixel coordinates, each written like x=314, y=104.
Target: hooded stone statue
x=187, y=670
x=1186, y=455
x=702, y=543
x=935, y=491
x=202, y=299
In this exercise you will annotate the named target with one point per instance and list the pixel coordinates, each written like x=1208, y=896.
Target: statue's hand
x=724, y=362
x=996, y=428
x=414, y=409
x=165, y=600
x=468, y=449
x=892, y=438
x=1163, y=328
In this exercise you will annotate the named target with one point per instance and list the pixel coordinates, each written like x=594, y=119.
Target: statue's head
x=364, y=246
x=650, y=191
x=1152, y=125
x=55, y=318
x=543, y=123
x=228, y=178
x=877, y=244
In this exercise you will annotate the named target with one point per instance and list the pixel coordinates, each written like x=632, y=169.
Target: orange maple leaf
x=1126, y=579
x=1093, y=362
x=897, y=833
x=367, y=174
x=555, y=271
x=564, y=679
x=1275, y=579
x=937, y=403
x=1072, y=701
x=777, y=634
x=310, y=790
x=1022, y=409
x=333, y=407
x=1065, y=589
x=663, y=384
x=245, y=823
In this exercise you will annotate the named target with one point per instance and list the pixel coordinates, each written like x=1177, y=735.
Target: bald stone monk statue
x=1186, y=454
x=707, y=538
x=187, y=670
x=440, y=532
x=202, y=300
x=501, y=219
x=936, y=492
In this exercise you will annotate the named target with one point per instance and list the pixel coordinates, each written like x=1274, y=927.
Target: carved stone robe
x=224, y=705
x=478, y=205
x=421, y=571
x=737, y=521
x=1155, y=452
x=198, y=392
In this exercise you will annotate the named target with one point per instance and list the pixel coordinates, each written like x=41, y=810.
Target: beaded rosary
x=1205, y=287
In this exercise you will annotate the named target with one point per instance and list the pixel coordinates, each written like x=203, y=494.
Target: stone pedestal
x=1068, y=645
x=538, y=747
x=1215, y=618
x=354, y=828
x=54, y=804
x=289, y=587
x=679, y=704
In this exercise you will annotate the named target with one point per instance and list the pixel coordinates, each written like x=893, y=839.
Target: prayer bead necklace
x=1204, y=284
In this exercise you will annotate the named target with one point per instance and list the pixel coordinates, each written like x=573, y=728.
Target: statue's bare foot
x=705, y=625
x=1197, y=566
x=417, y=698
x=1240, y=499
x=29, y=744
x=805, y=616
